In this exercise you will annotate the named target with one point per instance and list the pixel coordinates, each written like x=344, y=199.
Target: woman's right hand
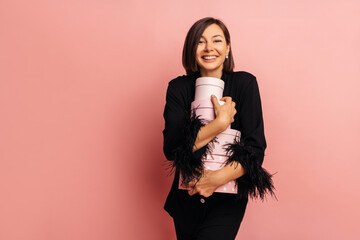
x=225, y=113
x=224, y=117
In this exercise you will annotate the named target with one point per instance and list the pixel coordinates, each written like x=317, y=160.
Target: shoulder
x=182, y=88
x=182, y=83
x=181, y=80
x=241, y=80
x=243, y=77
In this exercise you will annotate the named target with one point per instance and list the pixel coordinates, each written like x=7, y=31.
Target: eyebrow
x=218, y=35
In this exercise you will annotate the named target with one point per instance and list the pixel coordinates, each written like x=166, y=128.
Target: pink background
x=82, y=91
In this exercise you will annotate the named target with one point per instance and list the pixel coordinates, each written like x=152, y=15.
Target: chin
x=211, y=68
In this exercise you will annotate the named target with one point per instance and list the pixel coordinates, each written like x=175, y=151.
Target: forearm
x=211, y=180
x=230, y=172
x=208, y=132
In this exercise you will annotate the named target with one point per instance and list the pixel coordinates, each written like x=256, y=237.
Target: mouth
x=206, y=57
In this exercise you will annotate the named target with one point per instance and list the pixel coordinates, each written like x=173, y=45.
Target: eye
x=201, y=41
x=217, y=40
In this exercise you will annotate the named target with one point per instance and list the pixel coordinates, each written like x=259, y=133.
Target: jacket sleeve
x=179, y=134
x=249, y=149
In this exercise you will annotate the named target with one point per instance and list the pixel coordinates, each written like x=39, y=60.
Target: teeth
x=209, y=57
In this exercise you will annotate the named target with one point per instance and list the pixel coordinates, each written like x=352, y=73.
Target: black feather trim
x=257, y=182
x=189, y=163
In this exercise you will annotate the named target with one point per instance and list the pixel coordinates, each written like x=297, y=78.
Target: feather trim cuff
x=187, y=162
x=257, y=182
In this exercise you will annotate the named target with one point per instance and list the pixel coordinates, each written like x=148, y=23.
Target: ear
x=228, y=49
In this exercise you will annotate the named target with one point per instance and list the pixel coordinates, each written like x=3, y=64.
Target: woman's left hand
x=207, y=184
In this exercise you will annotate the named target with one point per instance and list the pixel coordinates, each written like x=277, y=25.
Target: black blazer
x=181, y=130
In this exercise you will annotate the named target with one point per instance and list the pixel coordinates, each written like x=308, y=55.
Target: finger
x=228, y=100
x=206, y=171
x=225, y=99
x=206, y=195
x=215, y=101
x=192, y=192
x=191, y=184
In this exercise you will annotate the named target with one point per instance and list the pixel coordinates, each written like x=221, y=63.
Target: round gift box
x=226, y=137
x=206, y=86
x=204, y=109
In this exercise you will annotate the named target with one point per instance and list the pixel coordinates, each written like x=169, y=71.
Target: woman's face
x=211, y=51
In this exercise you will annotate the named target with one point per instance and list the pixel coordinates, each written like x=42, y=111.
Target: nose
x=208, y=46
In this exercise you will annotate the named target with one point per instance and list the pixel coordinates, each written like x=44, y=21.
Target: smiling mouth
x=208, y=57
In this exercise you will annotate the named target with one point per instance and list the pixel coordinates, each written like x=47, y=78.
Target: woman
x=201, y=213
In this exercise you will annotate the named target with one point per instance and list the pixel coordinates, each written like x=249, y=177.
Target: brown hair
x=191, y=42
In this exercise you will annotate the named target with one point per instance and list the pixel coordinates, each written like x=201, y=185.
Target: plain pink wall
x=82, y=90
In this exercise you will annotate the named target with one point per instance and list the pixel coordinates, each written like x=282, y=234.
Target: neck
x=216, y=73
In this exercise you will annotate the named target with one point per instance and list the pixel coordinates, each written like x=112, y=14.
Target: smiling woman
x=212, y=51
x=200, y=212
x=196, y=38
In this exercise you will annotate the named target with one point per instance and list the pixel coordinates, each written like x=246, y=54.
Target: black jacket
x=181, y=128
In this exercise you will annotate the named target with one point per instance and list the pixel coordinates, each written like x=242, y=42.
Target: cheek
x=198, y=56
x=222, y=49
x=198, y=51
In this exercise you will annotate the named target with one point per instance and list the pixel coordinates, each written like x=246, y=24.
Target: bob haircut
x=192, y=40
